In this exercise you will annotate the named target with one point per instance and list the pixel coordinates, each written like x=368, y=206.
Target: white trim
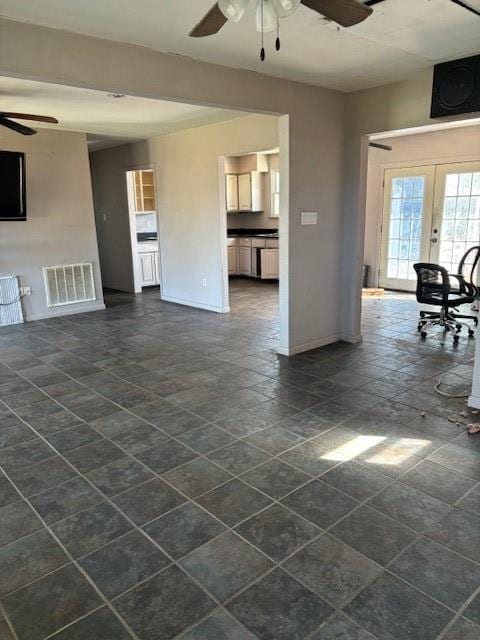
x=308, y=346
x=196, y=305
x=474, y=401
x=352, y=339
x=66, y=312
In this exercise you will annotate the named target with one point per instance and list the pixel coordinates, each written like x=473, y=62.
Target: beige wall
x=311, y=149
x=397, y=106
x=191, y=218
x=60, y=226
x=450, y=145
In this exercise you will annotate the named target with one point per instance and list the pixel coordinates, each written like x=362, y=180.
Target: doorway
x=430, y=214
x=142, y=206
x=250, y=203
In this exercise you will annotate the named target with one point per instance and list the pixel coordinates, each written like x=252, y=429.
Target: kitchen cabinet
x=245, y=261
x=144, y=190
x=148, y=264
x=231, y=191
x=244, y=192
x=232, y=258
x=269, y=264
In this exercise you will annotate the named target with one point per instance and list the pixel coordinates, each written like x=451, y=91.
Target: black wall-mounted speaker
x=456, y=87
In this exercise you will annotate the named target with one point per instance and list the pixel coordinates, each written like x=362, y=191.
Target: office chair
x=463, y=266
x=433, y=287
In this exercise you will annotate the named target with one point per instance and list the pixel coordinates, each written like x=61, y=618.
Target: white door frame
x=428, y=172
x=440, y=184
x=137, y=279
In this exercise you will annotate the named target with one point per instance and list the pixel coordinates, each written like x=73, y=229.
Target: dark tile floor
x=166, y=475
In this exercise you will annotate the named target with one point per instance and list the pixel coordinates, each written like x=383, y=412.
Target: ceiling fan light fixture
x=285, y=8
x=266, y=11
x=233, y=10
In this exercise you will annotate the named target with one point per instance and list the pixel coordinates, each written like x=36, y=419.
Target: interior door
x=406, y=226
x=456, y=220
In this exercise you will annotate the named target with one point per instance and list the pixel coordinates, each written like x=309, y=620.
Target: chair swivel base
x=448, y=321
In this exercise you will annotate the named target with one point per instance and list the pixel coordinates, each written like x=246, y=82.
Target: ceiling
x=401, y=37
x=108, y=121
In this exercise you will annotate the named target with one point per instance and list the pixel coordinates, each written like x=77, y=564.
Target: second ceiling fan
x=268, y=13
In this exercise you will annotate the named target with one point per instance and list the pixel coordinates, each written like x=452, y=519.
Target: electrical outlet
x=25, y=291
x=204, y=282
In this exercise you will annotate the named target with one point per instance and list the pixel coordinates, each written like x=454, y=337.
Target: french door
x=430, y=214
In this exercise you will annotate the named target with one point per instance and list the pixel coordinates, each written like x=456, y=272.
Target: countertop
x=147, y=237
x=252, y=233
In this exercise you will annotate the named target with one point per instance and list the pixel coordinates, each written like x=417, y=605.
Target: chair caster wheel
x=456, y=339
x=424, y=334
x=471, y=333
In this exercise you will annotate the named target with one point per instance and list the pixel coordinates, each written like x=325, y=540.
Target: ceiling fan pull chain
x=277, y=41
x=262, y=50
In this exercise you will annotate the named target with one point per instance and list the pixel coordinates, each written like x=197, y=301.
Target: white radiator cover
x=10, y=301
x=69, y=284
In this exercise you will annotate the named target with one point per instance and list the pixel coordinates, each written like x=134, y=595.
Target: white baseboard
x=308, y=346
x=352, y=339
x=195, y=305
x=58, y=313
x=474, y=401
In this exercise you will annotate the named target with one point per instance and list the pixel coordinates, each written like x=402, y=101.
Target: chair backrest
x=433, y=283
x=469, y=263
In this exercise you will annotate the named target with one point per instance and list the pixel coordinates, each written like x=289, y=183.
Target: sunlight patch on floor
x=353, y=449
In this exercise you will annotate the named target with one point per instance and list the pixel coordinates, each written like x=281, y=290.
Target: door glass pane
x=405, y=229
x=460, y=217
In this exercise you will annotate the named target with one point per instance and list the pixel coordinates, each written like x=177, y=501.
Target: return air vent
x=69, y=284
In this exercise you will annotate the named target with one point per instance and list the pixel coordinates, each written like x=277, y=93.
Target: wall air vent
x=69, y=284
x=10, y=304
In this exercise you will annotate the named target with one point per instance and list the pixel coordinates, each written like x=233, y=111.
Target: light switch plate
x=309, y=217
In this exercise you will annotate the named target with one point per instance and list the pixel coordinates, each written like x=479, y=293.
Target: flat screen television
x=12, y=186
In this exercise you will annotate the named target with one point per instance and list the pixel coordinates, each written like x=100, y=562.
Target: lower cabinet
x=232, y=260
x=269, y=264
x=253, y=257
x=149, y=268
x=245, y=261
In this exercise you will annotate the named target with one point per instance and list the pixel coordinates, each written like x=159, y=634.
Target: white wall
x=191, y=222
x=450, y=145
x=60, y=226
x=311, y=149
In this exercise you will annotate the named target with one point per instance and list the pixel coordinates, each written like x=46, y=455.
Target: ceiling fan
x=268, y=12
x=5, y=121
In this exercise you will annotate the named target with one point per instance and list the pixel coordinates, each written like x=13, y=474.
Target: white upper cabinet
x=245, y=192
x=231, y=191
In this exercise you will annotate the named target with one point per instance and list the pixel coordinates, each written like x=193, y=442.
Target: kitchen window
x=275, y=186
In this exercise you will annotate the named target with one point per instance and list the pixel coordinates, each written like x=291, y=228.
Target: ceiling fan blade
x=343, y=12
x=211, y=23
x=15, y=126
x=28, y=116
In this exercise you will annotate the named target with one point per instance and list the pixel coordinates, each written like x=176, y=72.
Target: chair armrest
x=464, y=285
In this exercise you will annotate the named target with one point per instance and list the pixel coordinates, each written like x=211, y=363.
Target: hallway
x=167, y=476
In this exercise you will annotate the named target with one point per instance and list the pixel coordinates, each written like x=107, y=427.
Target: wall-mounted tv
x=12, y=186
